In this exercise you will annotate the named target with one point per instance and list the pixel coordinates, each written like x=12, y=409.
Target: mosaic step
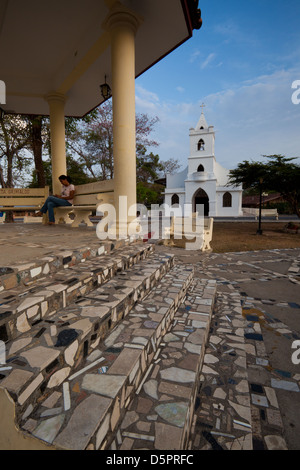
x=161, y=414
x=22, y=308
x=26, y=274
x=223, y=416
x=78, y=399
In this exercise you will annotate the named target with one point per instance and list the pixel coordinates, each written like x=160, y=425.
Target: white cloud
x=194, y=56
x=254, y=118
x=208, y=60
x=146, y=100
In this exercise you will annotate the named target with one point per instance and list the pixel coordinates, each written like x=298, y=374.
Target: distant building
x=267, y=199
x=204, y=181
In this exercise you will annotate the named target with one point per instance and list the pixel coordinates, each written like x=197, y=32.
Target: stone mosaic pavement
x=20, y=243
x=247, y=394
x=249, y=391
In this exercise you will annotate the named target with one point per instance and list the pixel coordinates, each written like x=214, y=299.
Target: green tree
x=149, y=193
x=13, y=142
x=75, y=170
x=148, y=167
x=279, y=174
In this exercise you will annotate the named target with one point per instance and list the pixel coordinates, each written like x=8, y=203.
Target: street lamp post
x=259, y=230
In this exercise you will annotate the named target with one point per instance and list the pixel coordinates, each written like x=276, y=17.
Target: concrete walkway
x=249, y=395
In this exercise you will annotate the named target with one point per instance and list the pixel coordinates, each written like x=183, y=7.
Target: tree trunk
x=37, y=149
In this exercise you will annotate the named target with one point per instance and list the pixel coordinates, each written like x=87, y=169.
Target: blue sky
x=241, y=64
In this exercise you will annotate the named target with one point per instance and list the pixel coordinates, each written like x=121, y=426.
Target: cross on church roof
x=202, y=106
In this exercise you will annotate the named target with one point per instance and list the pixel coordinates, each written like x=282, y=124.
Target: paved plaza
x=248, y=395
x=248, y=368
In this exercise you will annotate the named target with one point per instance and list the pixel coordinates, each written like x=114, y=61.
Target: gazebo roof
x=62, y=46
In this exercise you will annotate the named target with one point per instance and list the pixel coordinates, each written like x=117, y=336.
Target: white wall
x=177, y=180
x=236, y=209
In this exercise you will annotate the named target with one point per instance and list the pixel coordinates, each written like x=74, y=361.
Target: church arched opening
x=201, y=199
x=200, y=168
x=201, y=144
x=175, y=200
x=227, y=200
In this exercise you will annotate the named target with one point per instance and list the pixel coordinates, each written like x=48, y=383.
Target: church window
x=227, y=200
x=175, y=199
x=200, y=168
x=201, y=145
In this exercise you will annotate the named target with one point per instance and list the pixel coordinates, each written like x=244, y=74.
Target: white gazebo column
x=123, y=25
x=56, y=103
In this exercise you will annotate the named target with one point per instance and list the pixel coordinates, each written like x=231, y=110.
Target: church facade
x=203, y=185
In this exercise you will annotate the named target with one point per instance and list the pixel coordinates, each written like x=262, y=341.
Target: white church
x=204, y=182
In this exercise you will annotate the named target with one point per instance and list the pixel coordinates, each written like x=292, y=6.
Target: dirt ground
x=242, y=236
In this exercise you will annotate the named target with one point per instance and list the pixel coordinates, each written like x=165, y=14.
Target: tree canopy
x=25, y=149
x=279, y=173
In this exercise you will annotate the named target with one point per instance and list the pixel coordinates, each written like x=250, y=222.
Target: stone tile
x=150, y=388
x=40, y=357
x=242, y=411
x=167, y=437
x=259, y=400
x=220, y=393
x=102, y=431
x=22, y=324
x=83, y=423
x=58, y=377
x=103, y=384
x=126, y=360
x=271, y=395
x=174, y=389
x=51, y=401
x=16, y=380
x=30, y=389
x=178, y=375
x=130, y=418
x=29, y=302
x=173, y=413
x=47, y=430
x=285, y=385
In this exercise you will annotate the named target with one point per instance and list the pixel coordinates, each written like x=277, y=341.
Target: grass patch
x=242, y=236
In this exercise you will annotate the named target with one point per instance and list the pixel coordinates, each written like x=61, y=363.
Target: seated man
x=64, y=199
